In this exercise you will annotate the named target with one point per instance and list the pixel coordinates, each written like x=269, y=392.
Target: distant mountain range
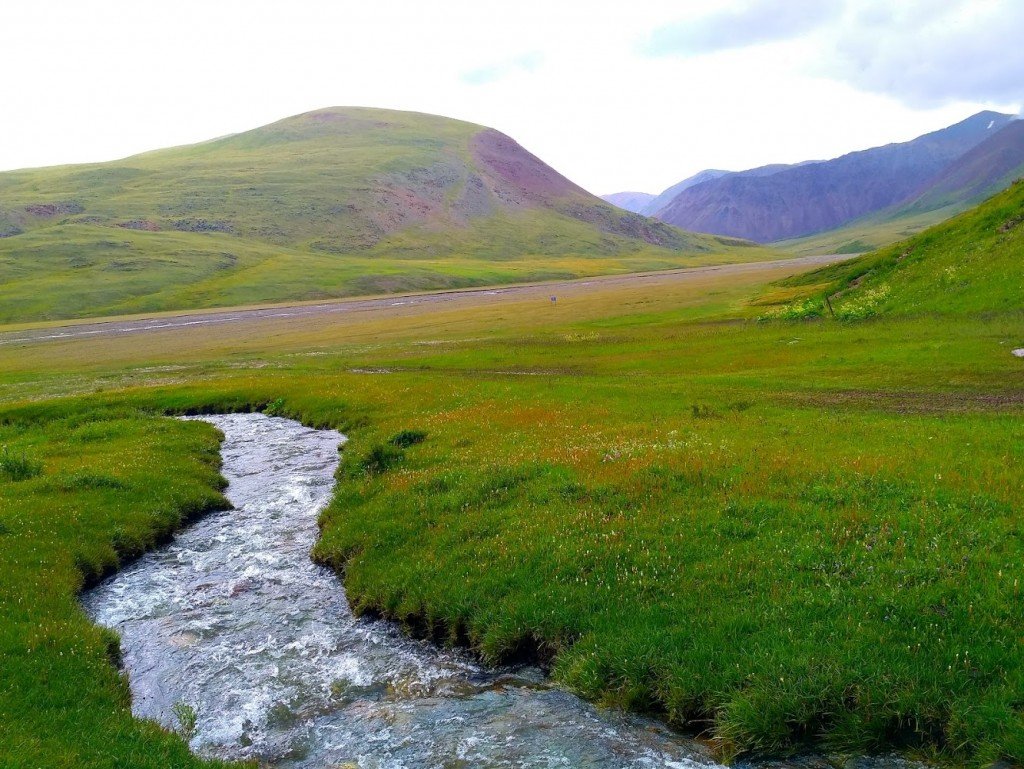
x=658, y=202
x=630, y=201
x=946, y=169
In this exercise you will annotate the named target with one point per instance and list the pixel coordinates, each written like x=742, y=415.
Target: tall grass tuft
x=18, y=467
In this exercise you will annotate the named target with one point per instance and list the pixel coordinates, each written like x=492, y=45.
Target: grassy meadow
x=81, y=271
x=867, y=234
x=708, y=500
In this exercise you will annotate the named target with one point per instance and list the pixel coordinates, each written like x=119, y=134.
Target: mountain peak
x=815, y=197
x=978, y=127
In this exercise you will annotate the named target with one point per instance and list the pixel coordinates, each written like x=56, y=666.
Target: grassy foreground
x=781, y=533
x=81, y=490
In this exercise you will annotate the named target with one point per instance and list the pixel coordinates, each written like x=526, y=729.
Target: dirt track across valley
x=458, y=298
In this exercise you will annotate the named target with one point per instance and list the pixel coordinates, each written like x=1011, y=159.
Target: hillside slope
x=334, y=202
x=970, y=264
x=985, y=170
x=661, y=200
x=816, y=197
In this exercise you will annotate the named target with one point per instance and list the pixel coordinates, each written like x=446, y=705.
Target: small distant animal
x=554, y=298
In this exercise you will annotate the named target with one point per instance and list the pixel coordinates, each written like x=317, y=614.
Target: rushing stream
x=234, y=621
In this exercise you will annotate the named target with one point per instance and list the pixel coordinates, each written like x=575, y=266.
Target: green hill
x=334, y=202
x=971, y=264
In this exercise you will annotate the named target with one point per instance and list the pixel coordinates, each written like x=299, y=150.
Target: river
x=233, y=622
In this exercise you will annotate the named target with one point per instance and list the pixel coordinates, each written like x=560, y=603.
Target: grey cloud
x=925, y=53
x=929, y=52
x=755, y=22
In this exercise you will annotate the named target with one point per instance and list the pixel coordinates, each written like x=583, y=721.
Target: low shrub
x=187, y=718
x=803, y=310
x=275, y=408
x=379, y=459
x=407, y=438
x=703, y=411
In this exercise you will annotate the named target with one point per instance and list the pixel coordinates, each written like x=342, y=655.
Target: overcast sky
x=616, y=95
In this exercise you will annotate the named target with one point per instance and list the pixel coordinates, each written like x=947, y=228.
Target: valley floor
x=779, y=534
x=400, y=304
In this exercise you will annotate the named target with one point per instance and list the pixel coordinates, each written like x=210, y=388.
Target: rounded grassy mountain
x=334, y=202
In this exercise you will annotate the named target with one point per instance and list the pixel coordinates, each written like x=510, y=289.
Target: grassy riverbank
x=781, y=533
x=82, y=489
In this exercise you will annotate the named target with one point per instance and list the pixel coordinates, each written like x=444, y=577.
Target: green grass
x=867, y=234
x=781, y=534
x=336, y=203
x=18, y=467
x=77, y=271
x=970, y=264
x=884, y=228
x=109, y=485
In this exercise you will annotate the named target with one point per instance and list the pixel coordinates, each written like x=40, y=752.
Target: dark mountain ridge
x=991, y=165
x=819, y=196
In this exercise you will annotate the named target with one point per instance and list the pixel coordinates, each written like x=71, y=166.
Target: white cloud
x=753, y=22
x=108, y=78
x=493, y=72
